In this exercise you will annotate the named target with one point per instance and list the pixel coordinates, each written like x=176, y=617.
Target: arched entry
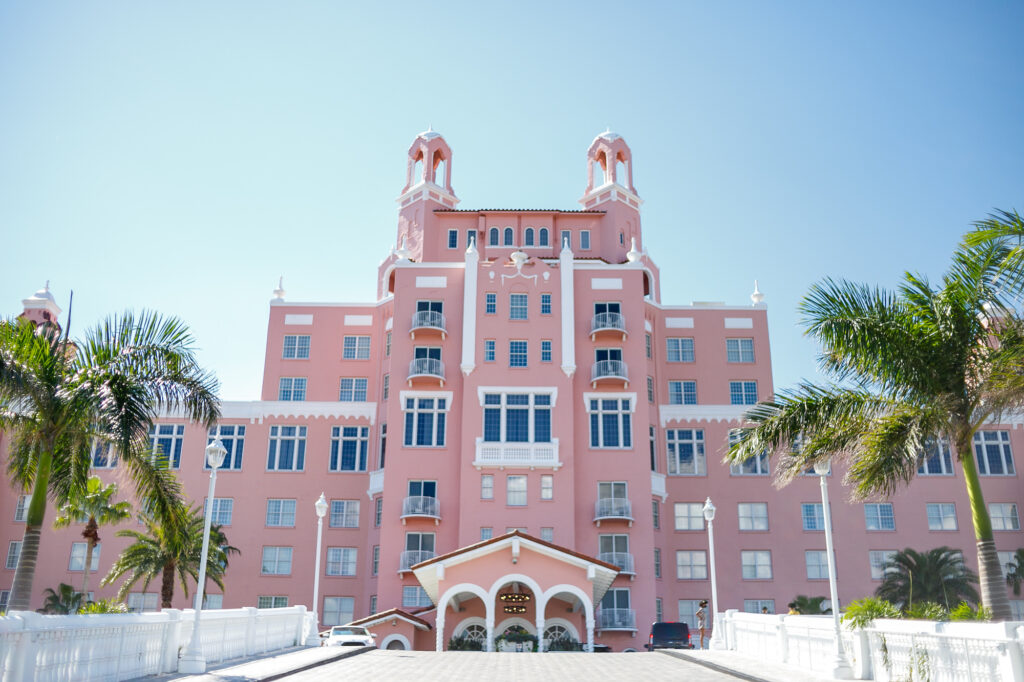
x=395, y=641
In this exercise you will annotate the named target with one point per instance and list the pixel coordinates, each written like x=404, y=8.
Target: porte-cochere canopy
x=549, y=573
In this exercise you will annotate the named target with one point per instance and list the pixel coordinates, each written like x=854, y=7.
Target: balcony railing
x=624, y=560
x=658, y=485
x=419, y=505
x=608, y=322
x=613, y=508
x=609, y=369
x=411, y=557
x=616, y=619
x=490, y=454
x=428, y=320
x=426, y=367
x=376, y=485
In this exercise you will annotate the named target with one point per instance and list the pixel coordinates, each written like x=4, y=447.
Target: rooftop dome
x=608, y=136
x=429, y=133
x=43, y=294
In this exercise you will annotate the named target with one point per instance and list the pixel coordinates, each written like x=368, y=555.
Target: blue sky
x=181, y=156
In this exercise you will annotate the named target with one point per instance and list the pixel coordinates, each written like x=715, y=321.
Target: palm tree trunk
x=24, y=576
x=990, y=576
x=167, y=585
x=88, y=563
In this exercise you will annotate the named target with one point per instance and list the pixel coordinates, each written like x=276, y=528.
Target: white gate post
x=250, y=629
x=172, y=638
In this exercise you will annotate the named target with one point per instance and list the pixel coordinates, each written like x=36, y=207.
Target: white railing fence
x=889, y=650
x=113, y=647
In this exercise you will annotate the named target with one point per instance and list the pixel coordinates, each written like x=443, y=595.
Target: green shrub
x=564, y=644
x=463, y=643
x=927, y=610
x=965, y=611
x=104, y=606
x=860, y=612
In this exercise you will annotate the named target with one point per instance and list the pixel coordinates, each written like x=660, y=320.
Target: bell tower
x=428, y=187
x=610, y=189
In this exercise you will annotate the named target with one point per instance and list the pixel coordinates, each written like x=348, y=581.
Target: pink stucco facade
x=521, y=370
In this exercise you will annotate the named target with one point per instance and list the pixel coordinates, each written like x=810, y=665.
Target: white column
x=439, y=626
x=565, y=263
x=469, y=305
x=840, y=668
x=590, y=633
x=540, y=631
x=489, y=622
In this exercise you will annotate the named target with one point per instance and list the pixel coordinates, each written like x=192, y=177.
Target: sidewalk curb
x=712, y=666
x=316, y=664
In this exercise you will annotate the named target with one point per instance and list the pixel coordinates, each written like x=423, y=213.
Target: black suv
x=669, y=636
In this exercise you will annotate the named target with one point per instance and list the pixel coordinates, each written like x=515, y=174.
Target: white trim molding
x=701, y=413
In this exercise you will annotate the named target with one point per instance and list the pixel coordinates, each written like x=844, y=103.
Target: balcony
x=658, y=485
x=418, y=506
x=532, y=455
x=624, y=560
x=376, y=485
x=616, y=619
x=612, y=323
x=609, y=371
x=613, y=509
x=428, y=322
x=426, y=368
x=411, y=557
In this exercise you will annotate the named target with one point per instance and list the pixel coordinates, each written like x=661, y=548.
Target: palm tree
x=1015, y=571
x=57, y=397
x=169, y=550
x=94, y=505
x=923, y=362
x=62, y=602
x=810, y=606
x=938, y=575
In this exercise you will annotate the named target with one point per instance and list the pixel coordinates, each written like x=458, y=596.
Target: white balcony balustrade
x=428, y=321
x=624, y=560
x=608, y=322
x=615, y=370
x=613, y=509
x=616, y=619
x=428, y=368
x=411, y=557
x=421, y=506
x=533, y=455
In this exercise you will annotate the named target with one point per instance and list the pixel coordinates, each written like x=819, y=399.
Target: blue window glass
x=509, y=237
x=489, y=350
x=453, y=239
x=545, y=304
x=543, y=236
x=518, y=307
x=528, y=239
x=678, y=350
x=545, y=351
x=491, y=304
x=517, y=354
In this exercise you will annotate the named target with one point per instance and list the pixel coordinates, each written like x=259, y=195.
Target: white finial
x=279, y=291
x=472, y=244
x=401, y=252
x=47, y=287
x=633, y=255
x=757, y=297
x=518, y=258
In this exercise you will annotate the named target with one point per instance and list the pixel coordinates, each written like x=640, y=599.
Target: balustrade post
x=250, y=629
x=489, y=622
x=783, y=639
x=300, y=629
x=23, y=665
x=730, y=629
x=171, y=641
x=1014, y=653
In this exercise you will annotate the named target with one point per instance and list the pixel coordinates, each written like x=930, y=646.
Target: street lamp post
x=321, y=510
x=717, y=641
x=192, y=660
x=840, y=668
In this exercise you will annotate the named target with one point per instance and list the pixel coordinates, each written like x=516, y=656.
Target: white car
x=350, y=635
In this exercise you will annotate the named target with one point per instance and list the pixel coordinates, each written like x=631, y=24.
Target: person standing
x=702, y=616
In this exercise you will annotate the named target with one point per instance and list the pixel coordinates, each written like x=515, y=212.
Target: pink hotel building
x=520, y=432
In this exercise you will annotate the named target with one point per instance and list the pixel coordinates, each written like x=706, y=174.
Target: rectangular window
x=453, y=239
x=691, y=565
x=757, y=565
x=349, y=448
x=341, y=561
x=1004, y=516
x=517, y=353
x=610, y=423
x=5, y=597
x=338, y=610
x=759, y=605
x=222, y=509
x=385, y=387
x=547, y=488
x=652, y=439
x=262, y=602
x=689, y=516
x=165, y=440
x=488, y=350
x=678, y=350
x=688, y=613
x=375, y=562
x=941, y=516
x=296, y=347
x=545, y=304
x=879, y=516
x=517, y=418
x=486, y=533
x=281, y=513
x=615, y=598
x=682, y=393
x=547, y=534
x=425, y=421
x=232, y=437
x=545, y=350
x=286, y=449
x=566, y=240
x=470, y=237
x=657, y=562
x=515, y=491
x=78, y=552
x=658, y=617
x=487, y=487
x=655, y=514
x=355, y=348
x=139, y=602
x=378, y=511
x=491, y=303
x=413, y=596
x=21, y=508
x=387, y=345
x=585, y=239
x=993, y=454
x=344, y=514
x=518, y=306
x=878, y=559
x=103, y=455
x=817, y=564
x=647, y=346
x=277, y=561
x=742, y=392
x=813, y=516
x=936, y=459
x=753, y=515
x=755, y=466
x=352, y=390
x=291, y=388
x=686, y=452
x=739, y=350
x=650, y=389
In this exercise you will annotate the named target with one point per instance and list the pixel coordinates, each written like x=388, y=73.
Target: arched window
x=417, y=172
x=620, y=173
x=477, y=632
x=509, y=236
x=528, y=239
x=492, y=237
x=439, y=171
x=544, y=237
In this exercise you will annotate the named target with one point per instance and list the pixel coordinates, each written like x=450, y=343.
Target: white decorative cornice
x=258, y=410
x=701, y=413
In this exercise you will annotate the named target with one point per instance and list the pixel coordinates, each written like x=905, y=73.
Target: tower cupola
x=429, y=167
x=609, y=172
x=41, y=307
